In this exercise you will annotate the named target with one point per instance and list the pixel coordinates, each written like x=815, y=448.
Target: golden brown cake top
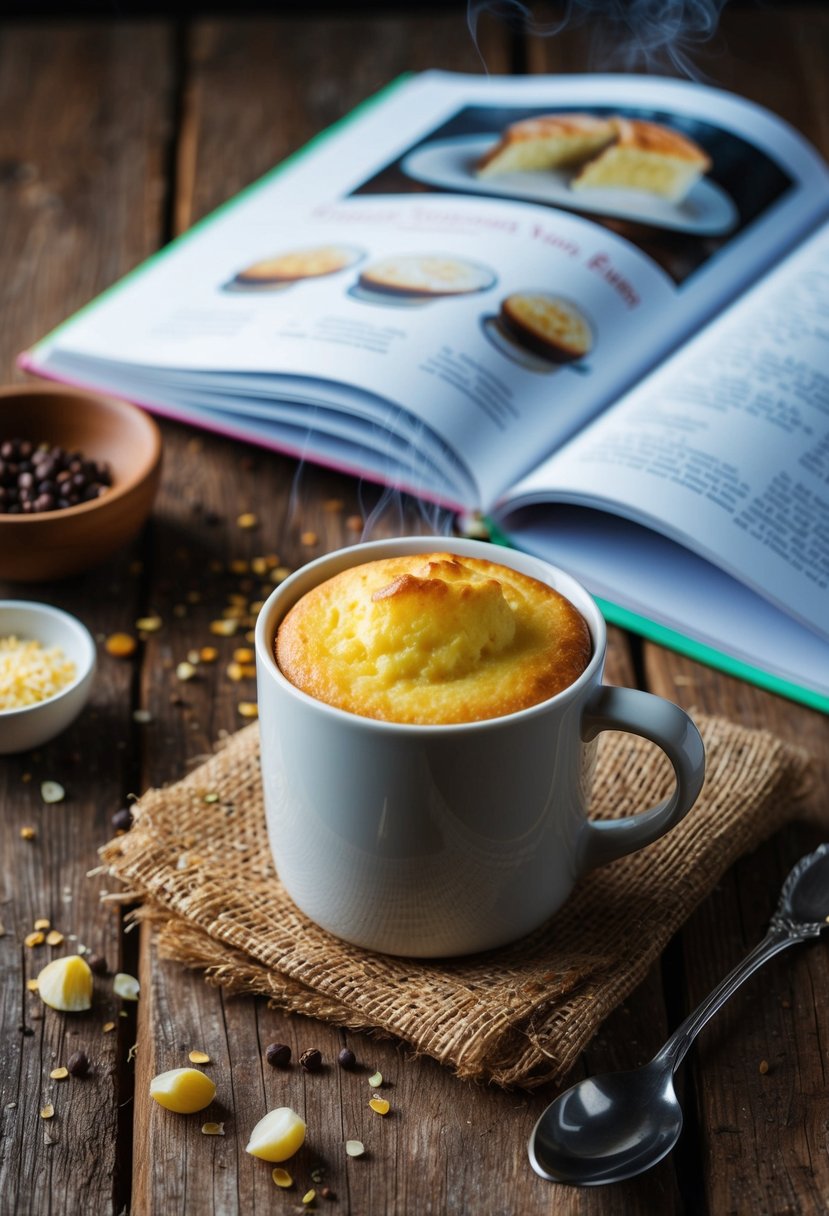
x=300, y=264
x=653, y=137
x=550, y=320
x=574, y=133
x=432, y=638
x=547, y=126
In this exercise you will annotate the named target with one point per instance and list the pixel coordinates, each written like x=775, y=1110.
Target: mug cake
x=432, y=639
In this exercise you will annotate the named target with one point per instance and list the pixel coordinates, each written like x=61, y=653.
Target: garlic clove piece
x=277, y=1136
x=183, y=1090
x=66, y=984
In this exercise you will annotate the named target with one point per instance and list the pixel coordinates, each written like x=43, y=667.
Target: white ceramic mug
x=441, y=840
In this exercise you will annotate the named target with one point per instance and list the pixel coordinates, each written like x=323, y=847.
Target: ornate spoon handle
x=675, y=1049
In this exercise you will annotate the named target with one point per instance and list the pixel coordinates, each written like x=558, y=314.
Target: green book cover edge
x=321, y=137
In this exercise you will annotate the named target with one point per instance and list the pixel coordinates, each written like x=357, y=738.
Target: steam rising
x=624, y=34
x=386, y=509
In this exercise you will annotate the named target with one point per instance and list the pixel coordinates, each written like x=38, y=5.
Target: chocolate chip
x=311, y=1060
x=78, y=1064
x=346, y=1058
x=278, y=1055
x=122, y=820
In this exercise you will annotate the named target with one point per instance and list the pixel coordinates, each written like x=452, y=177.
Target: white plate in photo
x=411, y=279
x=246, y=288
x=707, y=210
x=389, y=299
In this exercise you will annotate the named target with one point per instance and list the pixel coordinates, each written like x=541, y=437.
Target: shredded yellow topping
x=29, y=673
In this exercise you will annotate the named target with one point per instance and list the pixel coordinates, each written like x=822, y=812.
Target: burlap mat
x=199, y=860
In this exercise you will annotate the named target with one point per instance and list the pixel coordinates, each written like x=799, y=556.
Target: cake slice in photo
x=645, y=156
x=551, y=141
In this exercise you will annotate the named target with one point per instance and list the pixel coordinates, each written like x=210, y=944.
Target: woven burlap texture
x=198, y=859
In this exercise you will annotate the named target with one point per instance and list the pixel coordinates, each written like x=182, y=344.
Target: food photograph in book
x=678, y=187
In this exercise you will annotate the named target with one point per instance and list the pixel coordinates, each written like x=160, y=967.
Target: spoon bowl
x=625, y=1121
x=609, y=1128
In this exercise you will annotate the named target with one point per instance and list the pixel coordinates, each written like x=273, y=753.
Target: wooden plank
x=450, y=1146
x=259, y=90
x=428, y=1157
x=763, y=1134
x=81, y=153
x=274, y=62
x=634, y=1032
x=760, y=1135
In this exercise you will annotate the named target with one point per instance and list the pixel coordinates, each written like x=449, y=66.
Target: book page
x=726, y=448
x=411, y=323
x=421, y=254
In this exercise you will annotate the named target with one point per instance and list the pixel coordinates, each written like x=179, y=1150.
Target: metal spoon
x=612, y=1127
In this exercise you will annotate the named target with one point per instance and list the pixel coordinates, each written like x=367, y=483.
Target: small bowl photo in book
x=284, y=270
x=39, y=542
x=407, y=280
x=541, y=331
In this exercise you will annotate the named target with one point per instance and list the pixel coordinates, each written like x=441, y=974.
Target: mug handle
x=668, y=726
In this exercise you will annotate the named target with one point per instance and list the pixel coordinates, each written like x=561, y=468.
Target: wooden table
x=113, y=138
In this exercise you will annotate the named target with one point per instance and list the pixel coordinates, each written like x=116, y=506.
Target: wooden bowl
x=54, y=544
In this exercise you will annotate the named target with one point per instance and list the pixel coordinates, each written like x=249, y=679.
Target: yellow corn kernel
x=225, y=629
x=380, y=1105
x=120, y=645
x=183, y=1090
x=149, y=624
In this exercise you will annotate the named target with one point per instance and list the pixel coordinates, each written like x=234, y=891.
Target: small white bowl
x=22, y=729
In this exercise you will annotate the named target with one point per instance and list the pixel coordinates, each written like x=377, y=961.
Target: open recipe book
x=595, y=308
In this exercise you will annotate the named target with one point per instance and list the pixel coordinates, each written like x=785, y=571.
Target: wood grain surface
x=113, y=138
